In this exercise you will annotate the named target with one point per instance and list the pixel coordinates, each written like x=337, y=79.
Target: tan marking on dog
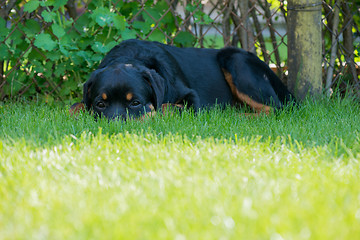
x=129, y=96
x=151, y=107
x=104, y=96
x=147, y=115
x=243, y=98
x=76, y=108
x=151, y=114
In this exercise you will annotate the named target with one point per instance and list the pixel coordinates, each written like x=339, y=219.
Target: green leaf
x=82, y=23
x=4, y=53
x=144, y=27
x=48, y=65
x=110, y=45
x=207, y=19
x=102, y=16
x=2, y=23
x=34, y=54
x=67, y=47
x=58, y=30
x=185, y=39
x=119, y=4
x=44, y=41
x=77, y=60
x=128, y=34
x=31, y=6
x=38, y=66
x=65, y=90
x=4, y=31
x=119, y=22
x=158, y=36
x=155, y=14
x=53, y=55
x=84, y=43
x=48, y=16
x=68, y=22
x=60, y=3
x=17, y=79
x=99, y=47
x=86, y=55
x=191, y=8
x=47, y=3
x=97, y=57
x=202, y=18
x=67, y=39
x=60, y=69
x=32, y=28
x=64, y=51
x=16, y=38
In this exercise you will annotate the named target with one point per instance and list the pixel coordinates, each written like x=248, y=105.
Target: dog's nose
x=116, y=112
x=117, y=118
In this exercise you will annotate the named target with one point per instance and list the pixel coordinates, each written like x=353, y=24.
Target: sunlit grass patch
x=219, y=174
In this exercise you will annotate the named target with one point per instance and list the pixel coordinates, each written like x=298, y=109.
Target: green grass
x=217, y=175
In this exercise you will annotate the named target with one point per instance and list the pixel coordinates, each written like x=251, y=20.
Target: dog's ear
x=86, y=91
x=87, y=88
x=157, y=84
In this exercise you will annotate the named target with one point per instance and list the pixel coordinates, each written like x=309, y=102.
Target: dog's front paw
x=76, y=108
x=170, y=108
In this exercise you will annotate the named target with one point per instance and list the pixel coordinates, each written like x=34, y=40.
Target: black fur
x=156, y=74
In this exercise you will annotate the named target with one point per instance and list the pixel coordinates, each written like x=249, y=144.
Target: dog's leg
x=76, y=108
x=171, y=107
x=252, y=77
x=191, y=99
x=166, y=108
x=245, y=99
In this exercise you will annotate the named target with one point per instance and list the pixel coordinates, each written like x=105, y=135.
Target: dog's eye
x=100, y=105
x=135, y=103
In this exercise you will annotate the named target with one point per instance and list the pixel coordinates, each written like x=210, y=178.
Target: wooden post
x=304, y=48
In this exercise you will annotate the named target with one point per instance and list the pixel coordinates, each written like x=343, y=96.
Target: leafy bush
x=49, y=48
x=48, y=53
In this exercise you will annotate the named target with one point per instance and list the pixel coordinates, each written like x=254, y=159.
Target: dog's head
x=120, y=91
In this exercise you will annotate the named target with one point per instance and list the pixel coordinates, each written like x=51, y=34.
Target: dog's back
x=195, y=68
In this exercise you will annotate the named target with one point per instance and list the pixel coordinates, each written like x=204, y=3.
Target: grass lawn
x=217, y=175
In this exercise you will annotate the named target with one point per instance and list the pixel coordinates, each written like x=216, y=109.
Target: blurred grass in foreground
x=216, y=175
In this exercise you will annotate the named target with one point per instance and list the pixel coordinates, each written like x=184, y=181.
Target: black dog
x=137, y=77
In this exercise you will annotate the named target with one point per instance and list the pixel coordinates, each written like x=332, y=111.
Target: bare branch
x=272, y=36
x=260, y=35
x=71, y=7
x=330, y=71
x=5, y=10
x=348, y=41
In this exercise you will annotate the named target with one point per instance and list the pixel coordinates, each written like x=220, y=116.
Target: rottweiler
x=140, y=77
